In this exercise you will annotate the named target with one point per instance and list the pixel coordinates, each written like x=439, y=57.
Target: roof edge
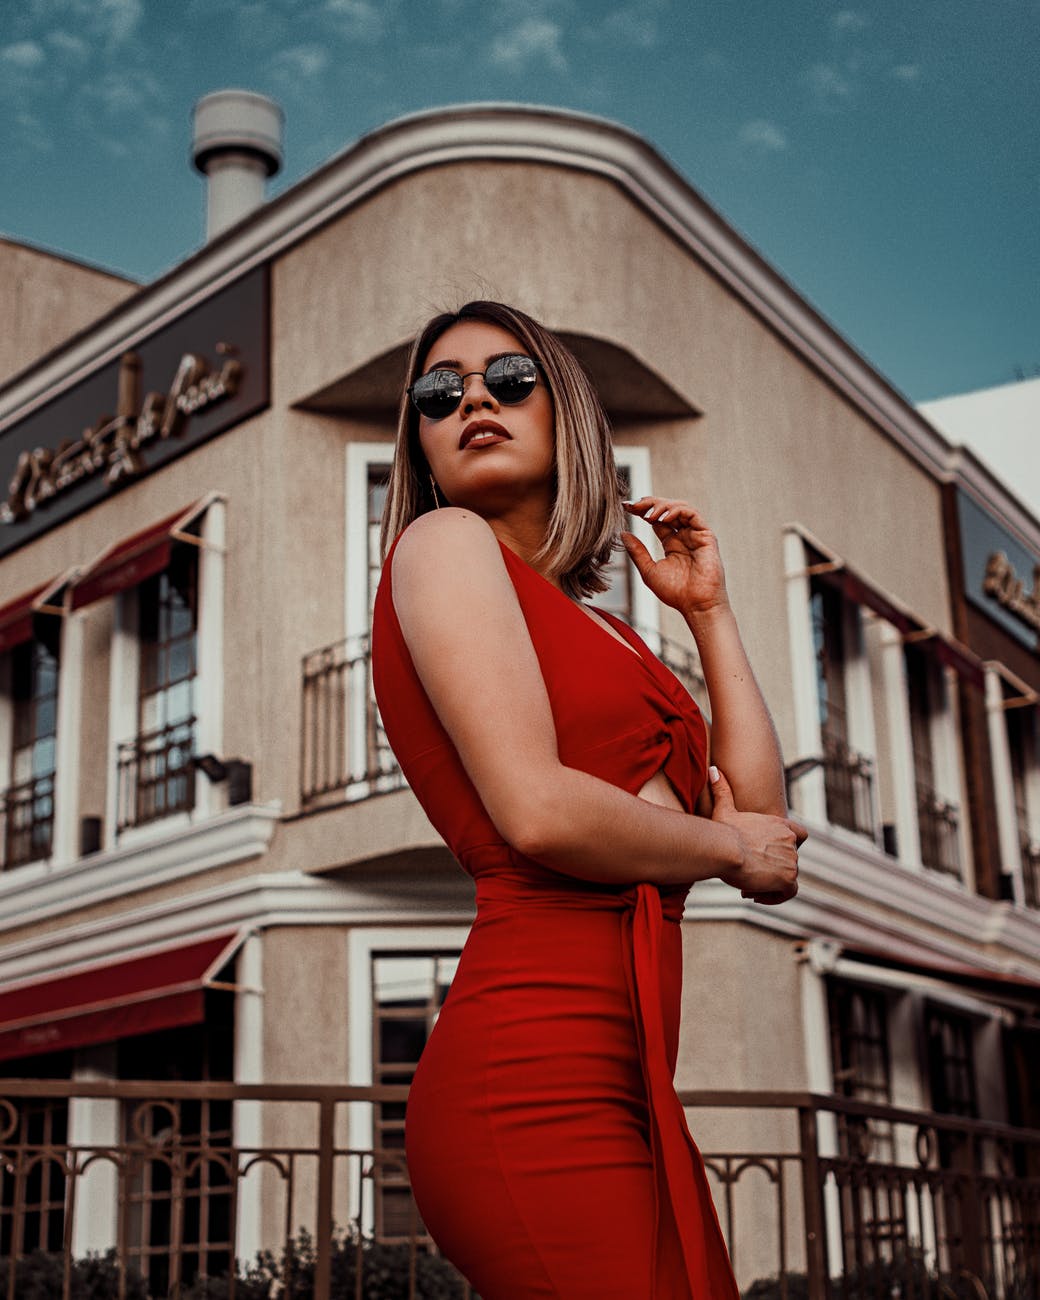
x=491, y=132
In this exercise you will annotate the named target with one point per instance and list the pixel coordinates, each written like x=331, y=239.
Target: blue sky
x=884, y=156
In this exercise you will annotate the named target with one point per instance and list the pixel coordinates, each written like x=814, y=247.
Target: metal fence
x=344, y=752
x=180, y=1180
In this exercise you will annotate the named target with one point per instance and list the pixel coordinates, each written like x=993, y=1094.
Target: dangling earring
x=434, y=486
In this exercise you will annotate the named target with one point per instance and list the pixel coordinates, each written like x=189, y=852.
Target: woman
x=561, y=762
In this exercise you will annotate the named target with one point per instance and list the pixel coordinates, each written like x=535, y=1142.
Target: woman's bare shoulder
x=440, y=539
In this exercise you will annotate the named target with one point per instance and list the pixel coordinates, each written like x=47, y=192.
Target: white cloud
x=532, y=40
x=75, y=47
x=849, y=20
x=304, y=61
x=120, y=17
x=33, y=131
x=763, y=134
x=358, y=19
x=634, y=26
x=127, y=91
x=22, y=54
x=828, y=83
x=906, y=71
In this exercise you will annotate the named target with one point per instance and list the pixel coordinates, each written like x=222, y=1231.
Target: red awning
x=135, y=558
x=16, y=617
x=161, y=990
x=980, y=979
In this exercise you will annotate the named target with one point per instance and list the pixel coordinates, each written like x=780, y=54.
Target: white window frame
x=947, y=767
x=124, y=677
x=362, y=943
x=66, y=745
x=808, y=793
x=998, y=707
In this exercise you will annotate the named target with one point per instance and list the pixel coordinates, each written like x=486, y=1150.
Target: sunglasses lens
x=437, y=393
x=511, y=379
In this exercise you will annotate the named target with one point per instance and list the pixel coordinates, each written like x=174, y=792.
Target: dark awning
x=978, y=979
x=860, y=591
x=16, y=617
x=160, y=990
x=135, y=558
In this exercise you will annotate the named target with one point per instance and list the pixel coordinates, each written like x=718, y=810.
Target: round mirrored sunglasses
x=508, y=379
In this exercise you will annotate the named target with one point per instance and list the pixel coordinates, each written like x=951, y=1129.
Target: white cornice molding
x=872, y=900
x=489, y=133
x=236, y=835
x=249, y=903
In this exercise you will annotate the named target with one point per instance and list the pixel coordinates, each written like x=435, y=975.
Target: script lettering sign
x=1001, y=574
x=193, y=379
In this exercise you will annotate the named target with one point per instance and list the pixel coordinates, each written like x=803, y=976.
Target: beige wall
x=776, y=444
x=45, y=299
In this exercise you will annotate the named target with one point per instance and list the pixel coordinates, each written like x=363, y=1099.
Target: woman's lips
x=479, y=427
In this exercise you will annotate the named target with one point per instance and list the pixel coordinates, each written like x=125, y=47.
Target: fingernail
x=648, y=513
x=713, y=772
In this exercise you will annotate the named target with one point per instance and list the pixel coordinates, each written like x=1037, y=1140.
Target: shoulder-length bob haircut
x=586, y=516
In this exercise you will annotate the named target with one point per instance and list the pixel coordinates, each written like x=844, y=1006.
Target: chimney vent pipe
x=237, y=145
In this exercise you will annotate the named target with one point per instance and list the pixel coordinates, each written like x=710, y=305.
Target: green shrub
x=39, y=1276
x=384, y=1273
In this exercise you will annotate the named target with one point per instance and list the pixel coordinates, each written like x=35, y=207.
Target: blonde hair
x=586, y=516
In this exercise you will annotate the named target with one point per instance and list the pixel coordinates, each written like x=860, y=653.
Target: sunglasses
x=508, y=379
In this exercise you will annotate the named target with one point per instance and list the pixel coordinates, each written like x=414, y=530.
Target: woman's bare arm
x=689, y=577
x=470, y=645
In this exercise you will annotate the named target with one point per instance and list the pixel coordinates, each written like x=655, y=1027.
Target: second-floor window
x=156, y=773
x=848, y=775
x=937, y=817
x=29, y=799
x=1023, y=752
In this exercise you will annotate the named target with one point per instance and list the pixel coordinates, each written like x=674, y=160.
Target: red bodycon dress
x=548, y=1152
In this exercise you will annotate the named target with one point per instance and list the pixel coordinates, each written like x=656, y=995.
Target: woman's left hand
x=689, y=576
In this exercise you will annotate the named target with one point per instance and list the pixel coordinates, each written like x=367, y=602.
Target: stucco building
x=211, y=867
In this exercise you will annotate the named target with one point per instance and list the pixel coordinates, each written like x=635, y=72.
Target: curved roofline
x=491, y=132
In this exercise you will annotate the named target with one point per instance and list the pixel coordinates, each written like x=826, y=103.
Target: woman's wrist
x=704, y=622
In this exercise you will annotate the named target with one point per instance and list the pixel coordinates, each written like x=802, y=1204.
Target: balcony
x=155, y=774
x=28, y=816
x=344, y=752
x=941, y=1208
x=848, y=780
x=938, y=824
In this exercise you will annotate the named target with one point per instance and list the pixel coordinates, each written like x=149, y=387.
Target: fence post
x=812, y=1201
x=326, y=1146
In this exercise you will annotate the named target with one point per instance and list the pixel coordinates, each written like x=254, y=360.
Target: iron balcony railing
x=848, y=780
x=156, y=776
x=1030, y=869
x=344, y=752
x=938, y=823
x=810, y=1204
x=28, y=815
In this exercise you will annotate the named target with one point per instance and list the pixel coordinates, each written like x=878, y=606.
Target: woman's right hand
x=769, y=872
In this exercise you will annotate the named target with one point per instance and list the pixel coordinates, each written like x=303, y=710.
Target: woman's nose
x=476, y=396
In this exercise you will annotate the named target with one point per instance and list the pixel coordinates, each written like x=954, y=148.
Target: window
x=937, y=818
x=32, y=1199
x=951, y=1063
x=848, y=775
x=861, y=1068
x=408, y=990
x=28, y=804
x=156, y=776
x=184, y=1142
x=1022, y=747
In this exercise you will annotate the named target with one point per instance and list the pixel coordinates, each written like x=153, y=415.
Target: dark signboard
x=190, y=380
x=1001, y=576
